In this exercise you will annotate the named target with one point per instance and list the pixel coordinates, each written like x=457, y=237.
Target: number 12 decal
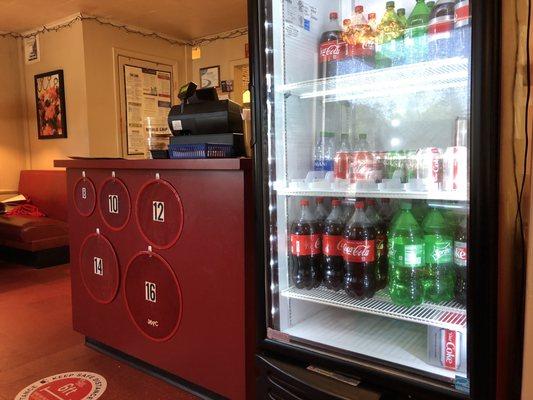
x=158, y=211
x=150, y=292
x=113, y=203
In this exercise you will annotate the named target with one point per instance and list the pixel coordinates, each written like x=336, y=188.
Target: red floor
x=37, y=340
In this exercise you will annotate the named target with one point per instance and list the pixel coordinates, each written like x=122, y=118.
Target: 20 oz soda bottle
x=460, y=260
x=333, y=262
x=406, y=259
x=359, y=254
x=306, y=250
x=381, y=243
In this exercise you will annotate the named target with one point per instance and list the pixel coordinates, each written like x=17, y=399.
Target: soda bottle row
x=432, y=31
x=361, y=248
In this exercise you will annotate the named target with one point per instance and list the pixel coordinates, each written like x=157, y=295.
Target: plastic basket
x=202, y=150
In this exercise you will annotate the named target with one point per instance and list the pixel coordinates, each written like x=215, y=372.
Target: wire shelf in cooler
x=430, y=76
x=400, y=194
x=449, y=315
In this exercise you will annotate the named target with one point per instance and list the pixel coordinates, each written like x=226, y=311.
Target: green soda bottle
x=419, y=210
x=402, y=18
x=440, y=279
x=388, y=34
x=406, y=259
x=415, y=43
x=430, y=5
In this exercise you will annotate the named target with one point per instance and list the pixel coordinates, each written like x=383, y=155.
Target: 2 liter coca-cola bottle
x=359, y=254
x=306, y=250
x=332, y=247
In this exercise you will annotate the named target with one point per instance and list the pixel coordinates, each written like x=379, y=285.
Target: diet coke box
x=447, y=348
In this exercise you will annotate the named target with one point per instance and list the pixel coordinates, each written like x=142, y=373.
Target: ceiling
x=182, y=19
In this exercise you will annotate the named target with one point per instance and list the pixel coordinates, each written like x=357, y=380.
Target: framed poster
x=210, y=77
x=50, y=105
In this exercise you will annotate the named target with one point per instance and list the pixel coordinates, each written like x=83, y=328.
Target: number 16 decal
x=158, y=211
x=150, y=292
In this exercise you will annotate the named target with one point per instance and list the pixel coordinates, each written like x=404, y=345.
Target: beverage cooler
x=376, y=128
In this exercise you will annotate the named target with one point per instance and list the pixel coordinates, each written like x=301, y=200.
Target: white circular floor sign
x=77, y=385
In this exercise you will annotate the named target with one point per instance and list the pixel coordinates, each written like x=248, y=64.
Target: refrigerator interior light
x=395, y=142
x=395, y=122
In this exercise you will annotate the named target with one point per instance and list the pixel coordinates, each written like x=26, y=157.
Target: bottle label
x=306, y=245
x=359, y=251
x=332, y=50
x=409, y=255
x=438, y=249
x=381, y=247
x=332, y=245
x=460, y=254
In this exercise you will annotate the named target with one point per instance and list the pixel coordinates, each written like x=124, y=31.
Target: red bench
x=38, y=241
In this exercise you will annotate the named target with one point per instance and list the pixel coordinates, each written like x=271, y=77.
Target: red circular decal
x=99, y=268
x=153, y=296
x=159, y=213
x=114, y=203
x=84, y=197
x=79, y=385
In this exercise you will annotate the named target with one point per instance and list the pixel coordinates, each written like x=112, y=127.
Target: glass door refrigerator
x=376, y=129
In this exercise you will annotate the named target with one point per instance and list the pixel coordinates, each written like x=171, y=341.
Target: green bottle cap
x=362, y=136
x=405, y=205
x=401, y=11
x=327, y=134
x=390, y=4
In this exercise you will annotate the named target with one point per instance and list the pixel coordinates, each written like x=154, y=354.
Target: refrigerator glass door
x=367, y=126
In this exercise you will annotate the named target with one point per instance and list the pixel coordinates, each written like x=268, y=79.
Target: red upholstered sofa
x=38, y=241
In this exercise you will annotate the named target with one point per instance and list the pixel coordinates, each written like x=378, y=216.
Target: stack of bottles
x=418, y=253
x=432, y=31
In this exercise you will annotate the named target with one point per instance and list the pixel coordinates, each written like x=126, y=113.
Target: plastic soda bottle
x=381, y=243
x=388, y=34
x=406, y=259
x=402, y=18
x=416, y=45
x=359, y=254
x=306, y=250
x=460, y=260
x=320, y=213
x=333, y=264
x=440, y=279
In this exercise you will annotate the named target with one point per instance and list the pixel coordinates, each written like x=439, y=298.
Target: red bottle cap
x=359, y=9
x=335, y=202
x=346, y=21
x=333, y=15
x=371, y=15
x=319, y=200
x=359, y=204
x=304, y=202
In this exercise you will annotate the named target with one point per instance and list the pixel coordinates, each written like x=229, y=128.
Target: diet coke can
x=362, y=166
x=455, y=166
x=447, y=348
x=429, y=165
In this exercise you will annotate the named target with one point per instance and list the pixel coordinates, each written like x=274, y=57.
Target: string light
x=128, y=29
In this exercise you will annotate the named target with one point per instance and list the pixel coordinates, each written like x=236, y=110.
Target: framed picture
x=210, y=77
x=227, y=86
x=50, y=102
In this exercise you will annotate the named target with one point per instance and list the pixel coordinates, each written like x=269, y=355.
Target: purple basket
x=203, y=150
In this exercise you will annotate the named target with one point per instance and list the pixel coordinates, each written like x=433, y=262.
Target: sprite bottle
x=440, y=279
x=406, y=259
x=416, y=46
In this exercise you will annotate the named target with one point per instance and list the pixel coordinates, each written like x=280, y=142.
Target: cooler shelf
x=449, y=315
x=437, y=195
x=429, y=76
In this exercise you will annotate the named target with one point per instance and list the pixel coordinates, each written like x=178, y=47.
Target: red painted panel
x=159, y=213
x=114, y=203
x=84, y=196
x=153, y=296
x=99, y=268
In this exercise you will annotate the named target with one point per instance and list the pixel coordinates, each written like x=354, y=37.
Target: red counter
x=162, y=265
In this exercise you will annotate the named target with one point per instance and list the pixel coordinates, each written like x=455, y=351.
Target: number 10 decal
x=113, y=203
x=150, y=292
x=158, y=211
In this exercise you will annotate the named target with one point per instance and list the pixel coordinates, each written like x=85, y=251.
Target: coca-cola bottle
x=320, y=213
x=460, y=260
x=359, y=254
x=381, y=243
x=333, y=262
x=332, y=48
x=306, y=250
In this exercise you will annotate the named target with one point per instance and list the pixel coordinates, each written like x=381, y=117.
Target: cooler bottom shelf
x=390, y=340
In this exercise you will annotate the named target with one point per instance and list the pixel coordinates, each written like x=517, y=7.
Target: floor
x=37, y=340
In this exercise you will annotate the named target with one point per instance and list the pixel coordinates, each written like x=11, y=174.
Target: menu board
x=148, y=102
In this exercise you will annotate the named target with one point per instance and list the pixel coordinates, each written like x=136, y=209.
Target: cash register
x=203, y=122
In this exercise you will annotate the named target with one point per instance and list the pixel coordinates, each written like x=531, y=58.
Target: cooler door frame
x=483, y=226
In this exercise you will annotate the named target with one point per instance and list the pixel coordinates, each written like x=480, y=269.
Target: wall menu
x=148, y=102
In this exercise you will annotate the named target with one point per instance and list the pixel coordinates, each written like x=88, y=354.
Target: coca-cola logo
x=460, y=253
x=450, y=350
x=358, y=250
x=331, y=50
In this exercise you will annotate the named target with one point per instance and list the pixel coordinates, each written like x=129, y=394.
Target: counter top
x=161, y=164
